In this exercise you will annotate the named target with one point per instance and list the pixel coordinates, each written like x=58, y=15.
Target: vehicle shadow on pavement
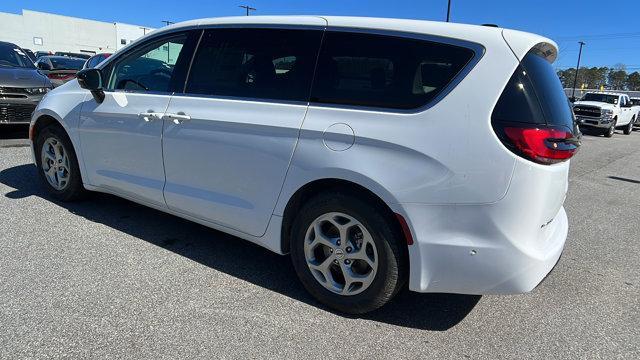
x=235, y=257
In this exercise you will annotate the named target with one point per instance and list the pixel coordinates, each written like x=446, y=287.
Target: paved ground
x=107, y=278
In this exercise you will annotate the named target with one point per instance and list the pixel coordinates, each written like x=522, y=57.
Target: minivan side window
x=273, y=64
x=151, y=67
x=384, y=71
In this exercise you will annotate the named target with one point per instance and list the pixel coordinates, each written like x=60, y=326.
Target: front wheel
x=347, y=252
x=611, y=130
x=629, y=127
x=57, y=164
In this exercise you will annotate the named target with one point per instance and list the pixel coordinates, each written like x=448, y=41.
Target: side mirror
x=91, y=79
x=43, y=66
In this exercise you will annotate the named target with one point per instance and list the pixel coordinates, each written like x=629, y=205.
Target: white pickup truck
x=635, y=101
x=606, y=111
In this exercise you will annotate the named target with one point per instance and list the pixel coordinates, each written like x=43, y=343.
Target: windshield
x=13, y=56
x=611, y=99
x=635, y=102
x=62, y=63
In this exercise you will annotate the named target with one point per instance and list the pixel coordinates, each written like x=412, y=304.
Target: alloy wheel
x=55, y=163
x=341, y=253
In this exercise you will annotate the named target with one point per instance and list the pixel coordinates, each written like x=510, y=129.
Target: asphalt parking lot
x=107, y=278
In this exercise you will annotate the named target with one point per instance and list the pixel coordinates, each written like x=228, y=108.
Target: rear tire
x=58, y=165
x=347, y=252
x=629, y=127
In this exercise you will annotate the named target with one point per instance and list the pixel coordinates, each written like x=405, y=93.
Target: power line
x=603, y=49
x=600, y=36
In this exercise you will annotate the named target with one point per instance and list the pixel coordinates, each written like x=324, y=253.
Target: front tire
x=347, y=252
x=58, y=165
x=611, y=130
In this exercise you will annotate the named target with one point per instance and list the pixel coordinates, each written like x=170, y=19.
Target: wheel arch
x=318, y=186
x=45, y=118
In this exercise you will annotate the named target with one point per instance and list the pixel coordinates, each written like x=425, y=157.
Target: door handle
x=149, y=116
x=178, y=118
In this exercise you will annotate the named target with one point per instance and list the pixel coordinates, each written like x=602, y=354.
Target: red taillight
x=542, y=145
x=55, y=76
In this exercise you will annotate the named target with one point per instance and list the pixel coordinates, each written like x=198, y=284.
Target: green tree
x=595, y=77
x=567, y=77
x=633, y=81
x=618, y=77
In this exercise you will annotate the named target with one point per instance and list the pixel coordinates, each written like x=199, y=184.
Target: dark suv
x=21, y=85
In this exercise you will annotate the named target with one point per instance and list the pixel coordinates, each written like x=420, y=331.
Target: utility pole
x=144, y=30
x=575, y=79
x=248, y=8
x=448, y=10
x=167, y=23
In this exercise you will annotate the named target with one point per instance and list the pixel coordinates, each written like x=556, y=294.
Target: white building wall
x=126, y=34
x=40, y=31
x=11, y=26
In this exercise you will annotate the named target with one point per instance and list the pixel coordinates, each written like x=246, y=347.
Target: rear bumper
x=470, y=254
x=505, y=247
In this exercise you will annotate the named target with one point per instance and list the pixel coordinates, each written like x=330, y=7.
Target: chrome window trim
x=246, y=99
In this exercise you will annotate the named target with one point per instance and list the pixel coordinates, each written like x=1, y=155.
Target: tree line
x=616, y=78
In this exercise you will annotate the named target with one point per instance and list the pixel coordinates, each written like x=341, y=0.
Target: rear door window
x=269, y=64
x=384, y=71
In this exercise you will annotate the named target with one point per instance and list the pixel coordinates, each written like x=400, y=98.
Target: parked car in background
x=30, y=54
x=40, y=54
x=635, y=102
x=605, y=111
x=322, y=137
x=21, y=85
x=95, y=60
x=59, y=69
x=72, y=55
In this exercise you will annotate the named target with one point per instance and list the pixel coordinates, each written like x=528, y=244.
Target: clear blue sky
x=610, y=29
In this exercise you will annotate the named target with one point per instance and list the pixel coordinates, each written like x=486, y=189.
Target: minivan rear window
x=534, y=95
x=384, y=71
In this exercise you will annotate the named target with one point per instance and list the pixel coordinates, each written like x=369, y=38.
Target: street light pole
x=247, y=7
x=448, y=10
x=575, y=79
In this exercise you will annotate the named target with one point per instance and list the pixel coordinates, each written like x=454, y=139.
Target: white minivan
x=379, y=153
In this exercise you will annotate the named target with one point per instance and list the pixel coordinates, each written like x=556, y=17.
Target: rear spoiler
x=522, y=42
